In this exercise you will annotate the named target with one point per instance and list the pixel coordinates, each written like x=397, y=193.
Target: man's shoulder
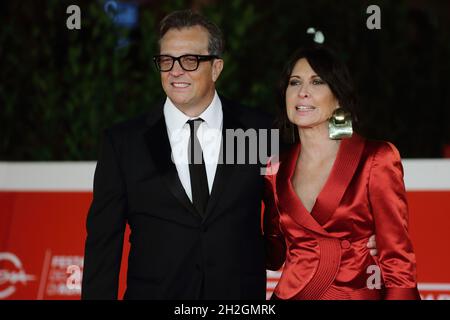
x=137, y=124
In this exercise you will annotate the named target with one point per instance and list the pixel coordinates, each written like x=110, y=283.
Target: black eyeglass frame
x=199, y=58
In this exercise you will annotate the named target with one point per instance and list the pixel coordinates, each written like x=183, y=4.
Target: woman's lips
x=302, y=109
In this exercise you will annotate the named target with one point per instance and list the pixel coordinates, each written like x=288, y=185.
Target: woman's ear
x=338, y=104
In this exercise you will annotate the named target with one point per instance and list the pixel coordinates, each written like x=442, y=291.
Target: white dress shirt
x=209, y=135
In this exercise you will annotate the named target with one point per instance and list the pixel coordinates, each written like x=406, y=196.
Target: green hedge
x=60, y=88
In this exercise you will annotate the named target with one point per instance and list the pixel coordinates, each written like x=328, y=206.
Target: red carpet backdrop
x=42, y=228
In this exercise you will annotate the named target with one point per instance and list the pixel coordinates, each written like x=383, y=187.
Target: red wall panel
x=42, y=234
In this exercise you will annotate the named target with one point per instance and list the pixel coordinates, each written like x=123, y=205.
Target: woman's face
x=309, y=100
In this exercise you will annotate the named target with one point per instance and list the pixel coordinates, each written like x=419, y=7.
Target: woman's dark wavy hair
x=324, y=61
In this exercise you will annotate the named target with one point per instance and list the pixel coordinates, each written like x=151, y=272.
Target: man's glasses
x=188, y=62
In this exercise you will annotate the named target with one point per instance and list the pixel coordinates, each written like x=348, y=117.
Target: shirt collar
x=176, y=119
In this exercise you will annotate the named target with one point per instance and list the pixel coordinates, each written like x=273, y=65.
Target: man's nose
x=177, y=70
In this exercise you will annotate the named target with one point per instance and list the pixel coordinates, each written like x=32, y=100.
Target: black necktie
x=197, y=170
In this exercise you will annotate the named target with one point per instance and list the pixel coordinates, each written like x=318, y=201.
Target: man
x=195, y=225
x=184, y=244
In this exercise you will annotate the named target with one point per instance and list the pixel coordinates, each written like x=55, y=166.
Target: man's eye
x=190, y=59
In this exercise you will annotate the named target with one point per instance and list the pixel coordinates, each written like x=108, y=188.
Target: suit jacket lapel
x=341, y=174
x=158, y=143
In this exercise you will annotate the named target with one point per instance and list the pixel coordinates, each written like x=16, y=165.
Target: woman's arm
x=387, y=198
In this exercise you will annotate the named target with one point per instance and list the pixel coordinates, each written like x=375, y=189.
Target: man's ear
x=217, y=68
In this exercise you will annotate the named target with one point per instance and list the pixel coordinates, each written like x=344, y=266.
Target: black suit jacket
x=174, y=252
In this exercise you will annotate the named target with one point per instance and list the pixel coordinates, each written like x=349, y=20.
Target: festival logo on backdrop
x=12, y=274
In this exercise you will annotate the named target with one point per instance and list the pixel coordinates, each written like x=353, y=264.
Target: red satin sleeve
x=275, y=245
x=387, y=197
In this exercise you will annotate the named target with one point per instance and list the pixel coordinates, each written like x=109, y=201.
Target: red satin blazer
x=324, y=252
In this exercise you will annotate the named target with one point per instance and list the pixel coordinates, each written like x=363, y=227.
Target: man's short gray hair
x=187, y=18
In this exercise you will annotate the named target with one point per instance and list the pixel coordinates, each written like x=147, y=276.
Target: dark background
x=59, y=88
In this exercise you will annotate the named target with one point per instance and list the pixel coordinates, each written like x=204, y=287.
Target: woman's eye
x=294, y=82
x=318, y=81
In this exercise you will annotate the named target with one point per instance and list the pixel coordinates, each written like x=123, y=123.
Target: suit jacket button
x=345, y=244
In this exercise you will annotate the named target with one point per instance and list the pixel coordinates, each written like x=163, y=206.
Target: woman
x=330, y=191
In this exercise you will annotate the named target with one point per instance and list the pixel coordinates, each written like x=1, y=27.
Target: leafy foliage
x=59, y=88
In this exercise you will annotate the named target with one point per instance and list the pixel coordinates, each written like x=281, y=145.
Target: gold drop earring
x=340, y=124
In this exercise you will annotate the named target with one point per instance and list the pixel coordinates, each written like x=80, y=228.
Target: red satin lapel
x=329, y=198
x=289, y=202
x=341, y=174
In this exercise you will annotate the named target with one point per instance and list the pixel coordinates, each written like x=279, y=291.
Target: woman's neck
x=316, y=144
